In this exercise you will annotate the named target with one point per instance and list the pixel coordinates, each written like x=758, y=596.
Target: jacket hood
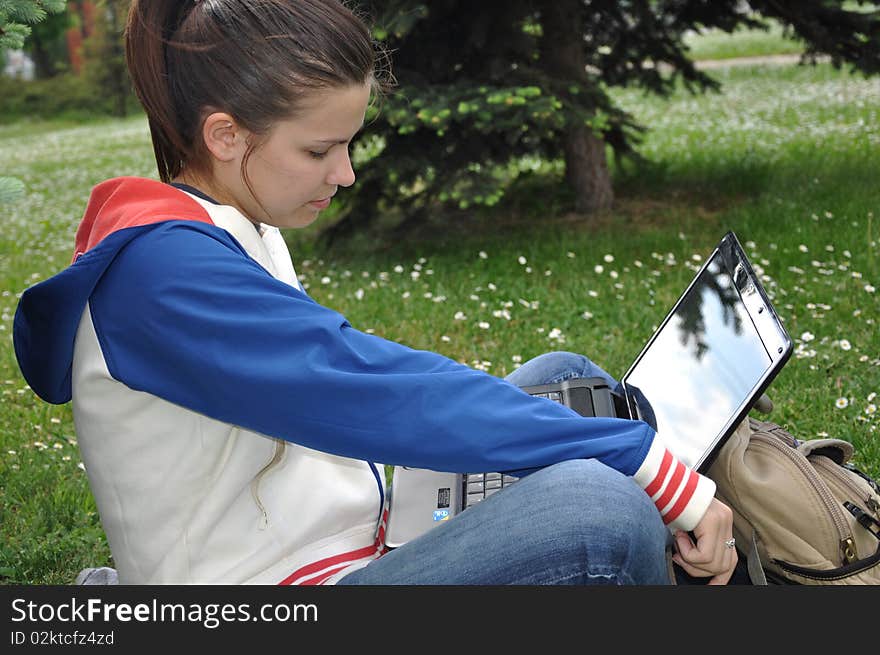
x=48, y=314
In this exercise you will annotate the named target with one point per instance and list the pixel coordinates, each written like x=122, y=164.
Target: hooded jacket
x=230, y=425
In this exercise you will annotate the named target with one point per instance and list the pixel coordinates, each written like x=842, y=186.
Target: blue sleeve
x=190, y=318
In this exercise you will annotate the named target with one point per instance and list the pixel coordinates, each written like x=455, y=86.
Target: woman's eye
x=317, y=155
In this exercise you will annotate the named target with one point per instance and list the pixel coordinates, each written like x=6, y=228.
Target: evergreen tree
x=484, y=85
x=105, y=66
x=47, y=44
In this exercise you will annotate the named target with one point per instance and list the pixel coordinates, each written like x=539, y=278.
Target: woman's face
x=299, y=165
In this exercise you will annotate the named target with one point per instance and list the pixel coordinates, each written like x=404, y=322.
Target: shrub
x=63, y=96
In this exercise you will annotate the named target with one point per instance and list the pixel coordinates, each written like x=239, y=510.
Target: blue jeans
x=574, y=523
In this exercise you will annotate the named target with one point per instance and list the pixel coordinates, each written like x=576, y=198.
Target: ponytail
x=150, y=26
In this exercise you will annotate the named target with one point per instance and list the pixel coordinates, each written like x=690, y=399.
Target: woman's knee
x=563, y=363
x=553, y=367
x=598, y=504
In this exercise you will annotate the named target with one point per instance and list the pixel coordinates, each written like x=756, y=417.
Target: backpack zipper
x=864, y=476
x=840, y=573
x=846, y=542
x=867, y=502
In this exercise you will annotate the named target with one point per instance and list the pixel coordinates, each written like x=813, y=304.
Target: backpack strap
x=753, y=562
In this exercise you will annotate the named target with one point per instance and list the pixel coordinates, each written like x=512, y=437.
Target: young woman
x=230, y=426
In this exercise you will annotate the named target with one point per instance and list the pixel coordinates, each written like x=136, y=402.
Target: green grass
x=718, y=44
x=787, y=157
x=715, y=44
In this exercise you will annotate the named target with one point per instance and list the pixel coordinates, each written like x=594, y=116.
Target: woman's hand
x=710, y=556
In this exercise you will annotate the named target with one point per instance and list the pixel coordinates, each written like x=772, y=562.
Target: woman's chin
x=304, y=217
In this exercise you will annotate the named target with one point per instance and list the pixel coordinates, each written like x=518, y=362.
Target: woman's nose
x=342, y=173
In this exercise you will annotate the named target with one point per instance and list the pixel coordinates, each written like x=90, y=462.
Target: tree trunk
x=586, y=170
x=586, y=164
x=43, y=65
x=118, y=74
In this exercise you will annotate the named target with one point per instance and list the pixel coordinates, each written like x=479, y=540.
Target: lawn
x=787, y=157
x=717, y=44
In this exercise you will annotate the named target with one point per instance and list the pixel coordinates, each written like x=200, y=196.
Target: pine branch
x=17, y=15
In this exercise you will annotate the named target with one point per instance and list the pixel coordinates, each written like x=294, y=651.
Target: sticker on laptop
x=441, y=514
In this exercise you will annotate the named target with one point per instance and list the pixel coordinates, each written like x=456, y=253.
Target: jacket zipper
x=255, y=483
x=867, y=503
x=846, y=541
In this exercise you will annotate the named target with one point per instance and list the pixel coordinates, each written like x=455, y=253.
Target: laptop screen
x=710, y=359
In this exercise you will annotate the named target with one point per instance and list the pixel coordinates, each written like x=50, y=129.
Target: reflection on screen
x=701, y=366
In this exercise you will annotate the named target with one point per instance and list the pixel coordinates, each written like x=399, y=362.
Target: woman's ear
x=224, y=138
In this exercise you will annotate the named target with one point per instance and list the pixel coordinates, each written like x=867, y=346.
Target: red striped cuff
x=680, y=494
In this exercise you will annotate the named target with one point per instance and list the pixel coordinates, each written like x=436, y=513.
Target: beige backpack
x=802, y=513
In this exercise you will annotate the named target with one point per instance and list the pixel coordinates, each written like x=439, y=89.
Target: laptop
x=698, y=376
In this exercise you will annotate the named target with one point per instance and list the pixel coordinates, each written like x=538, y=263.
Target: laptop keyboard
x=478, y=486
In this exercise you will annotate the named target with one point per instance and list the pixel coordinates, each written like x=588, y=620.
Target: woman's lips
x=321, y=204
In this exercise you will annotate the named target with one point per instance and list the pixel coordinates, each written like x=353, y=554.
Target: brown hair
x=256, y=60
